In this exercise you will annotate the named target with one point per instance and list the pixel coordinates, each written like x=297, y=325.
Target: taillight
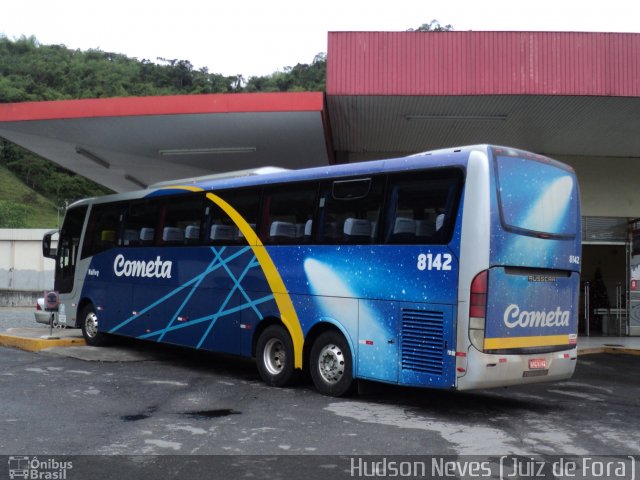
x=38, y=307
x=478, y=300
x=478, y=309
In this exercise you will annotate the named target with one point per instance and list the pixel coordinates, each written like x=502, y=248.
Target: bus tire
x=275, y=357
x=89, y=326
x=331, y=364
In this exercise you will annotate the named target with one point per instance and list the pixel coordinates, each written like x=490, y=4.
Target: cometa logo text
x=139, y=268
x=514, y=317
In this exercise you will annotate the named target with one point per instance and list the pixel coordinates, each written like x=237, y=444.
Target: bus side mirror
x=47, y=251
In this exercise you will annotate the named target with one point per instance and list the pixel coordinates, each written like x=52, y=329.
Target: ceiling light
x=92, y=156
x=206, y=151
x=133, y=179
x=495, y=118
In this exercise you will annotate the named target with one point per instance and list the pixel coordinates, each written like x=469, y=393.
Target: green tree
x=8, y=152
x=13, y=214
x=432, y=26
x=302, y=77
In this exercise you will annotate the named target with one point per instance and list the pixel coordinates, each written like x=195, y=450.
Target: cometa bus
x=457, y=268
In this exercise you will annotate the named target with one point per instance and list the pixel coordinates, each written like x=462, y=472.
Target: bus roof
x=442, y=157
x=273, y=175
x=218, y=176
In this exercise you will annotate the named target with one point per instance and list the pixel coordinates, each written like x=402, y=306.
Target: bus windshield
x=536, y=197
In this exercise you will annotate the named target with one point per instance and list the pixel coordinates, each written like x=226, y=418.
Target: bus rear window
x=536, y=197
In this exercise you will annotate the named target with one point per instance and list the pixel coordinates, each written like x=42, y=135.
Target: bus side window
x=220, y=229
x=350, y=211
x=421, y=206
x=181, y=218
x=103, y=229
x=140, y=223
x=288, y=214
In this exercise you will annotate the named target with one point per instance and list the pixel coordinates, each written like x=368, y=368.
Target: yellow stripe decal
x=183, y=187
x=280, y=294
x=523, y=342
x=283, y=300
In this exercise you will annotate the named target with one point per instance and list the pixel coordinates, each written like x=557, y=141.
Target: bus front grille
x=423, y=348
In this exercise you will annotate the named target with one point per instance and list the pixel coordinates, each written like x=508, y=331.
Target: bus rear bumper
x=484, y=370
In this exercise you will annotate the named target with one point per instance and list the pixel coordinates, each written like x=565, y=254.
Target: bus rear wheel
x=331, y=365
x=89, y=326
x=275, y=357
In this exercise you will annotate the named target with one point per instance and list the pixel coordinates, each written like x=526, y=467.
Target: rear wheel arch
x=275, y=356
x=261, y=327
x=320, y=328
x=331, y=363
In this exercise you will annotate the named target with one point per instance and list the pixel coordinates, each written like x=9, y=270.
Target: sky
x=259, y=37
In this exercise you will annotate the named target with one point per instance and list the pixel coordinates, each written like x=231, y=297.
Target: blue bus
x=457, y=268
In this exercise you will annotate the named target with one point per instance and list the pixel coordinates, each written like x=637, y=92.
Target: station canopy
x=130, y=143
x=562, y=94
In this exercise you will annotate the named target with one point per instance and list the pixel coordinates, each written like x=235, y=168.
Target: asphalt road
x=170, y=401
x=182, y=402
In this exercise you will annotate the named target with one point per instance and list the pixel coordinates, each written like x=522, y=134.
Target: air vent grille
x=423, y=345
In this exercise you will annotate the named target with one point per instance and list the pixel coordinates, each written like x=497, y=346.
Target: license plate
x=537, y=363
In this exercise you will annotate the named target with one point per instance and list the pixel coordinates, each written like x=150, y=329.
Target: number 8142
x=439, y=261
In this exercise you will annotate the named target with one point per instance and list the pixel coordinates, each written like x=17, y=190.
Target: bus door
x=68, y=245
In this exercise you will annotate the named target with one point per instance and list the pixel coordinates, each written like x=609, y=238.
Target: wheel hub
x=274, y=356
x=91, y=325
x=331, y=364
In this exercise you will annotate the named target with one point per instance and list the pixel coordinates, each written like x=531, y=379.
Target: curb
x=590, y=350
x=37, y=344
x=612, y=350
x=622, y=350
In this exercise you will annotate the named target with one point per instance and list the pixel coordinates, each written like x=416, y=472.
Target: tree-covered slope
x=22, y=207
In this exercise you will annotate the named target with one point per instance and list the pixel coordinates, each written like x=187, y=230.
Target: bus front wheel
x=275, y=357
x=89, y=326
x=331, y=364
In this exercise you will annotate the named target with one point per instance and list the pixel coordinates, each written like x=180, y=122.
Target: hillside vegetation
x=30, y=71
x=22, y=207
